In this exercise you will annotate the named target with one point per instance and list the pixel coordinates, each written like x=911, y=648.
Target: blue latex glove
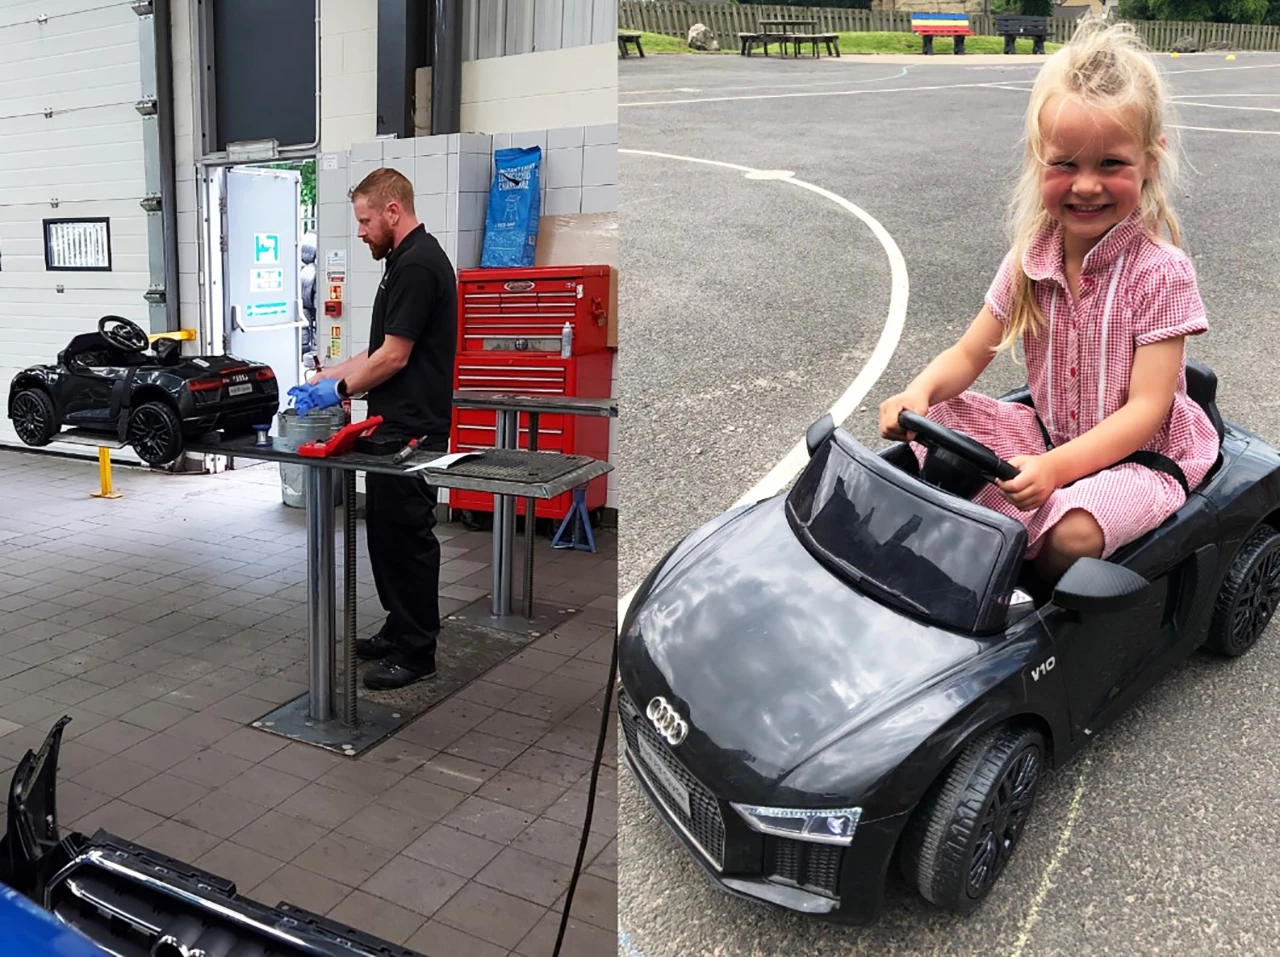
x=316, y=395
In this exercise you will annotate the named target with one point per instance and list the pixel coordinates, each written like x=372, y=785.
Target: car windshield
x=931, y=554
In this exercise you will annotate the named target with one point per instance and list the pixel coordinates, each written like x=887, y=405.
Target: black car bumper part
x=837, y=883
x=133, y=901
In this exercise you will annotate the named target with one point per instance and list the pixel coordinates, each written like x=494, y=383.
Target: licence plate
x=242, y=389
x=654, y=762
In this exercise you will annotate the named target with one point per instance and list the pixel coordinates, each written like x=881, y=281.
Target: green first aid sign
x=266, y=247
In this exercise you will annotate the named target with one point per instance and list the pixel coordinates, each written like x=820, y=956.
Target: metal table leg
x=321, y=596
x=504, y=521
x=530, y=522
x=350, y=612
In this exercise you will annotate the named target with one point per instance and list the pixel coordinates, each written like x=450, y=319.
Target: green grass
x=855, y=43
x=660, y=43
x=897, y=42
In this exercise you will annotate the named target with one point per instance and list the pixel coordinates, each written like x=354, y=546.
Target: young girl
x=1101, y=305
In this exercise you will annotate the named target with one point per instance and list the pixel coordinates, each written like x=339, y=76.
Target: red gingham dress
x=1134, y=290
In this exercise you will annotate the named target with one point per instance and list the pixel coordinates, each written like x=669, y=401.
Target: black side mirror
x=1092, y=586
x=818, y=433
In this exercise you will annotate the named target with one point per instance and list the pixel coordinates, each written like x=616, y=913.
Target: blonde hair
x=1106, y=67
x=383, y=186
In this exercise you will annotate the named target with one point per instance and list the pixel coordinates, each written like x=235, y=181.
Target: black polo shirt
x=417, y=299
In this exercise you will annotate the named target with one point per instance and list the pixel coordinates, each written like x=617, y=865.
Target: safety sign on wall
x=266, y=247
x=266, y=280
x=335, y=342
x=335, y=265
x=262, y=309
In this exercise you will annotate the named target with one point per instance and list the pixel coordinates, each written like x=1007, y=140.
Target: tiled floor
x=165, y=621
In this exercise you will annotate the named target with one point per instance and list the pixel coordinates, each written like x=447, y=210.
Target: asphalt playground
x=813, y=233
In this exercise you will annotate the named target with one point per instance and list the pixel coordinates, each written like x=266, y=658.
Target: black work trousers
x=400, y=516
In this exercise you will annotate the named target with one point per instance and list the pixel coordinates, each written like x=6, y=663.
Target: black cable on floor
x=591, y=798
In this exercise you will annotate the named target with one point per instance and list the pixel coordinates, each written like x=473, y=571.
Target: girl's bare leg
x=1076, y=535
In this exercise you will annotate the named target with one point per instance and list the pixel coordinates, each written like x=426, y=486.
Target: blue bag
x=515, y=203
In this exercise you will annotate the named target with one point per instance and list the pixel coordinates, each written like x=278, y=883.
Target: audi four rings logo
x=667, y=720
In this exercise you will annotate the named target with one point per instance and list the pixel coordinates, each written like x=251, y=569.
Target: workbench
x=508, y=406
x=506, y=472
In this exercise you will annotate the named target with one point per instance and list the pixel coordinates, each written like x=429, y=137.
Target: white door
x=261, y=265
x=70, y=149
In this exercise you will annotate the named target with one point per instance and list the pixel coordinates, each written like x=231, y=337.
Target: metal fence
x=675, y=17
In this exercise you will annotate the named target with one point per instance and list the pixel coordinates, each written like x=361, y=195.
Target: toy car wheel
x=34, y=417
x=155, y=433
x=1249, y=595
x=961, y=837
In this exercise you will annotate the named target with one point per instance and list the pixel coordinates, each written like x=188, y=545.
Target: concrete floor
x=166, y=621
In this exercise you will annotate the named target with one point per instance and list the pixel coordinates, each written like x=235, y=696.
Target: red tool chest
x=510, y=323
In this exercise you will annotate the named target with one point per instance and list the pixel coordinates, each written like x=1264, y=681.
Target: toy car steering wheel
x=123, y=334
x=933, y=435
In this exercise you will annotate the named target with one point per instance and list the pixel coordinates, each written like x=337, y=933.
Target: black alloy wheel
x=155, y=433
x=1003, y=822
x=1249, y=595
x=34, y=417
x=964, y=832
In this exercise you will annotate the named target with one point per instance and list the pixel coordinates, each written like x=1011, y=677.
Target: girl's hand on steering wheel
x=1036, y=481
x=889, y=409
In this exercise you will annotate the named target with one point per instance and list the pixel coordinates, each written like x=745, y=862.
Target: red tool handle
x=341, y=441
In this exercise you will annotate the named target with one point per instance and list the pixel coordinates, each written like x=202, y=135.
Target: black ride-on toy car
x=864, y=669
x=114, y=382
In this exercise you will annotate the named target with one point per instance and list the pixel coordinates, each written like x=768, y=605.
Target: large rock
x=701, y=38
x=1218, y=45
x=1185, y=45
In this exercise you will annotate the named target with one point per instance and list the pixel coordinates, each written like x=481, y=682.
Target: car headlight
x=822, y=826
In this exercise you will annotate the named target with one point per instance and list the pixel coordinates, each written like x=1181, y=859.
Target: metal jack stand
x=576, y=516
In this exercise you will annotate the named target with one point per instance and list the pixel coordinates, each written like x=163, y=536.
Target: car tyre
x=155, y=432
x=34, y=417
x=1248, y=596
x=963, y=834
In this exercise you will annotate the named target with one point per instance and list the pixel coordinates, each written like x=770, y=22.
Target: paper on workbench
x=444, y=461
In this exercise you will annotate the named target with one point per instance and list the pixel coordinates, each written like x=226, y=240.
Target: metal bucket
x=318, y=424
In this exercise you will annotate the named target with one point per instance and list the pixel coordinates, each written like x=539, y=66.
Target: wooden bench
x=1012, y=26
x=749, y=41
x=830, y=40
x=629, y=38
x=930, y=25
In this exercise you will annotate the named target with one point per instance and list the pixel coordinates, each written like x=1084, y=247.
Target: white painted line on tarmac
x=1059, y=852
x=770, y=86
x=1231, y=106
x=670, y=89
x=782, y=96
x=1217, y=96
x=784, y=471
x=1221, y=69
x=1218, y=129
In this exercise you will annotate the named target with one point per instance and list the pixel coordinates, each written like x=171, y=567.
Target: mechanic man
x=407, y=375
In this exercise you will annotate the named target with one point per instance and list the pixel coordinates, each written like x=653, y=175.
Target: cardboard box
x=583, y=239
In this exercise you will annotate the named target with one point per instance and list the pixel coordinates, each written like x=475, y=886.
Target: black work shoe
x=396, y=674
x=373, y=649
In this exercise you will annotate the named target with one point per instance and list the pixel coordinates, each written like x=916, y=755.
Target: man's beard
x=378, y=250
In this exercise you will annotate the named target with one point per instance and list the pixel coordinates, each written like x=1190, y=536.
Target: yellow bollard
x=1231, y=56
x=104, y=475
x=1174, y=55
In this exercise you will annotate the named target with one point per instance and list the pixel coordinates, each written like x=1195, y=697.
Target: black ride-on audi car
x=115, y=382
x=865, y=671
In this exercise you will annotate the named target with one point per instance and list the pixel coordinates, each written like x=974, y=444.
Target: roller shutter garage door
x=70, y=135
